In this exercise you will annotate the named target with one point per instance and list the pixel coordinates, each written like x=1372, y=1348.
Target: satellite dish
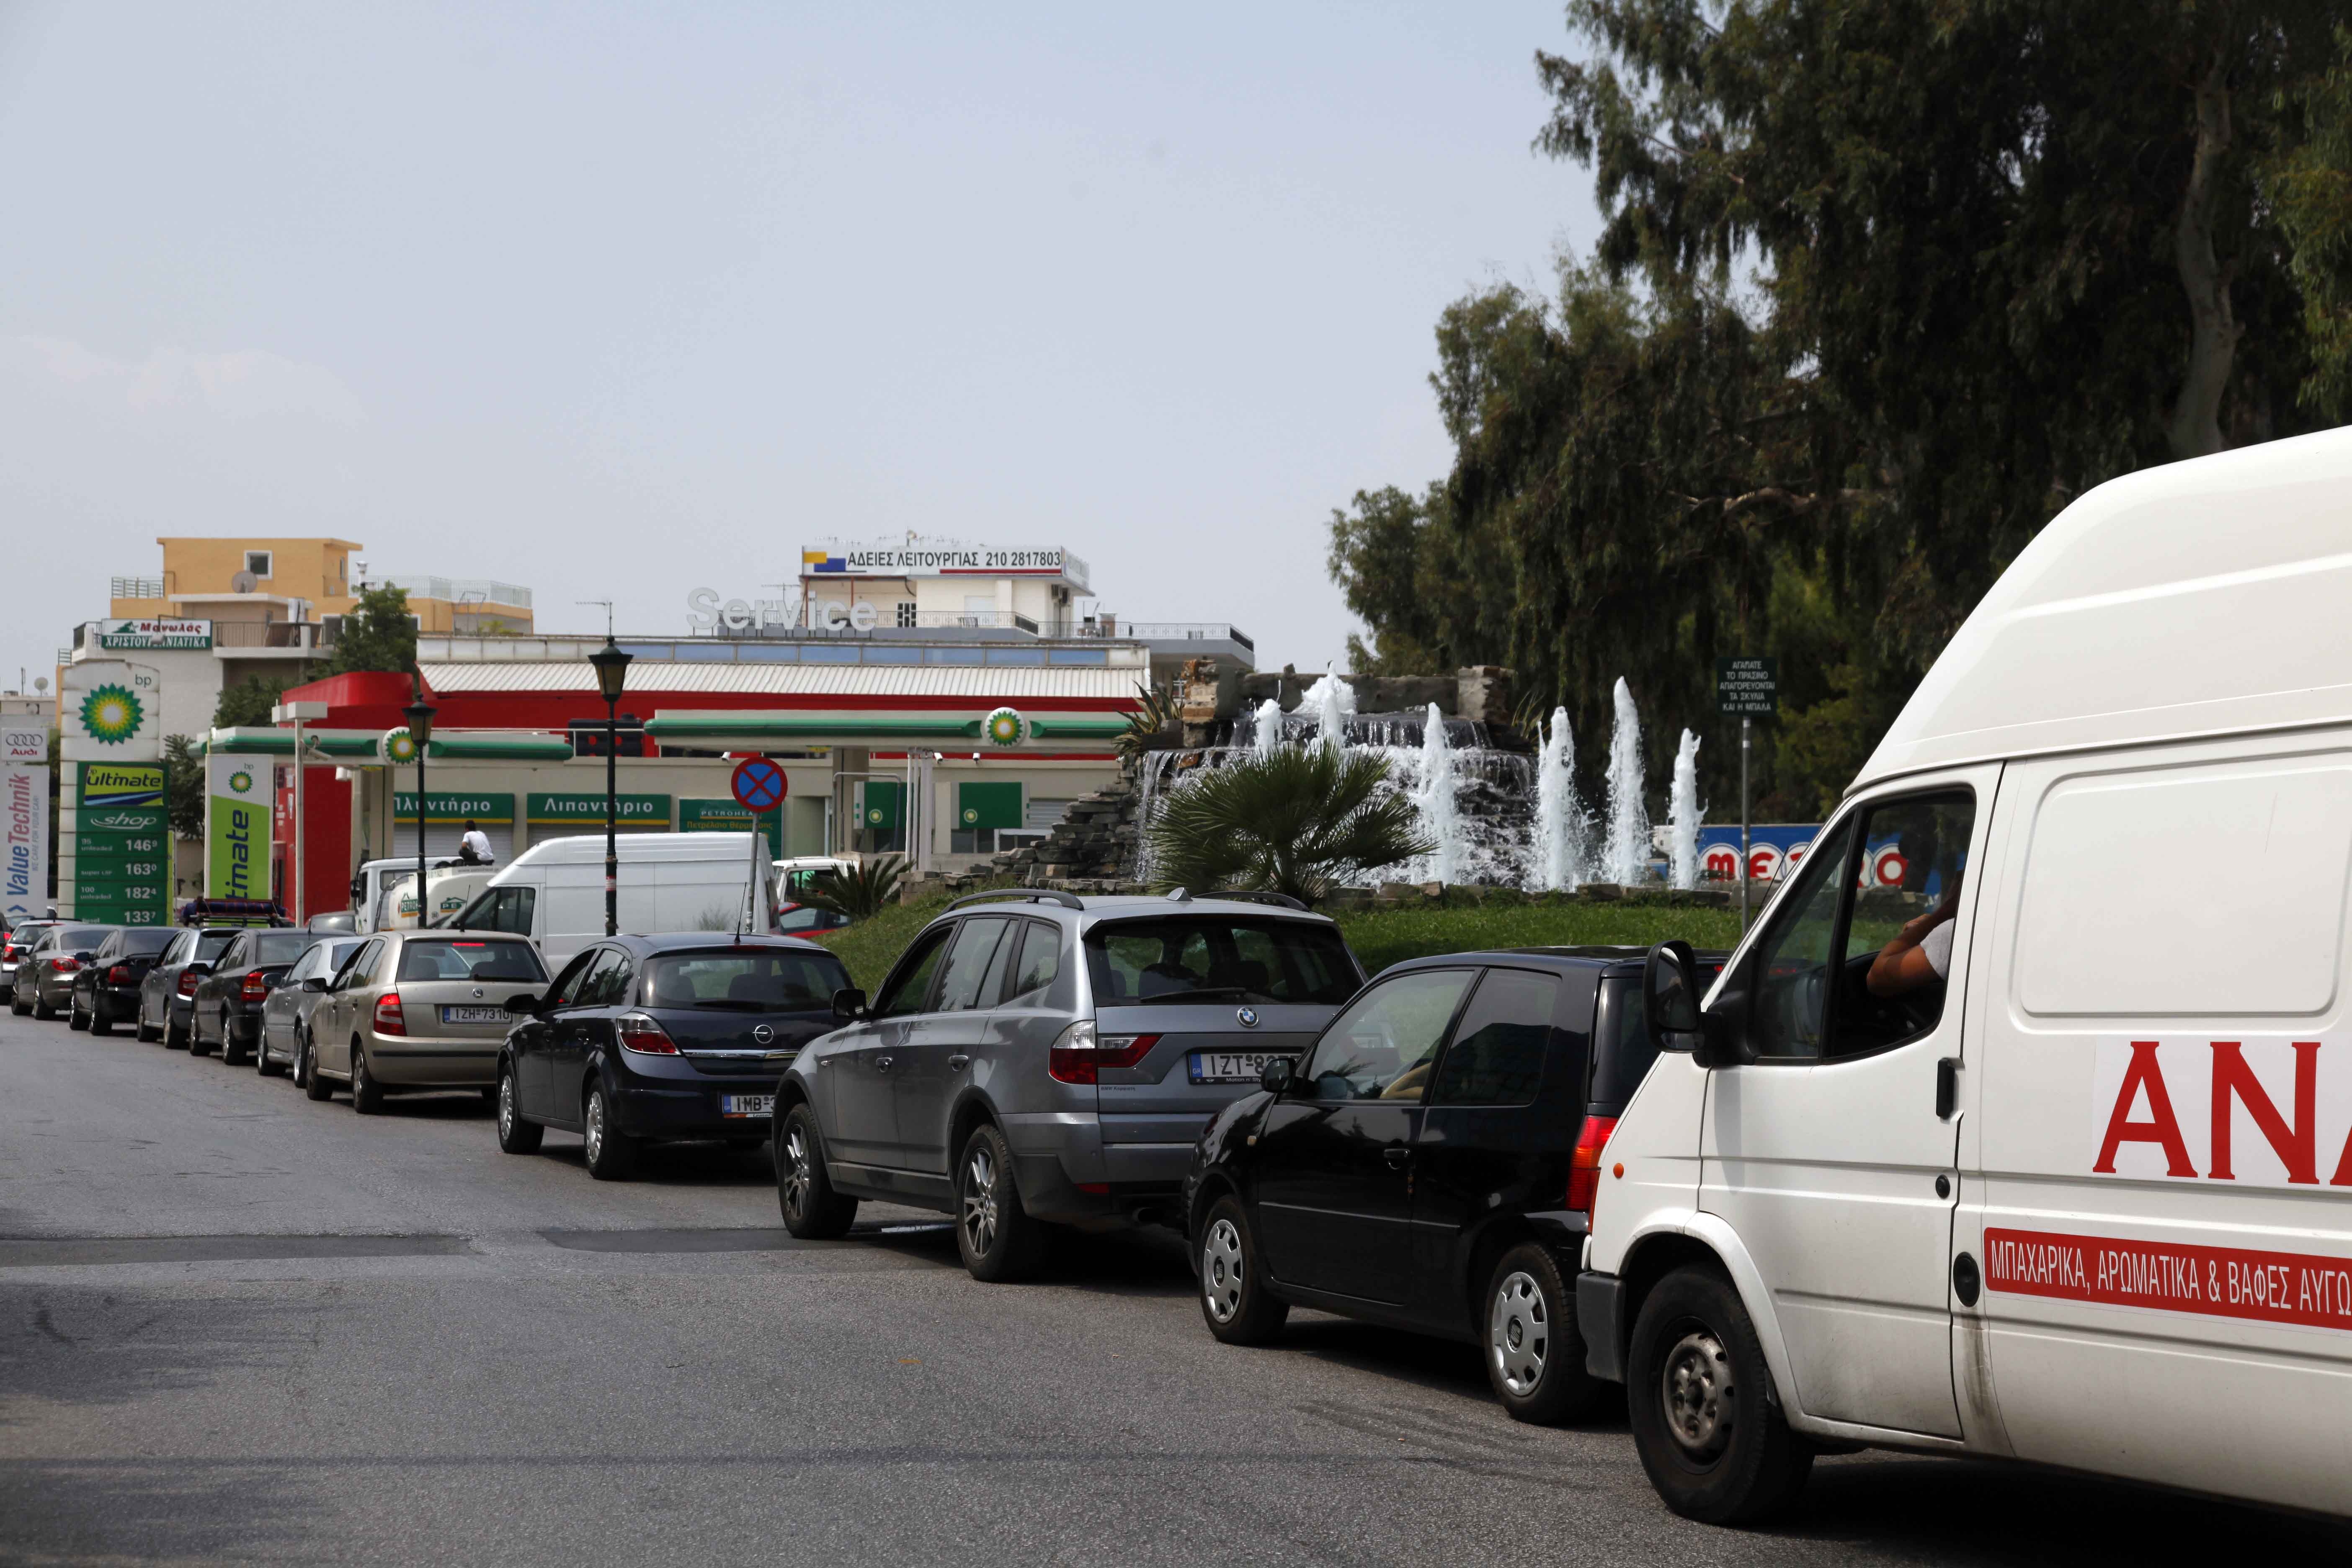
x=243, y=583
x=40, y=683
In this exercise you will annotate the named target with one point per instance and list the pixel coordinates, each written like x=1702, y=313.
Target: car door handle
x=882, y=1063
x=1396, y=1155
x=957, y=1062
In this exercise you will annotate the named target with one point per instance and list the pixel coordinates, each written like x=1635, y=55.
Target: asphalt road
x=235, y=1324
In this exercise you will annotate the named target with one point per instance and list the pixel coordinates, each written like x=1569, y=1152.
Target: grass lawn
x=1380, y=937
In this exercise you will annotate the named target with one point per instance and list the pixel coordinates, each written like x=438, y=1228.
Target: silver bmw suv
x=1038, y=1058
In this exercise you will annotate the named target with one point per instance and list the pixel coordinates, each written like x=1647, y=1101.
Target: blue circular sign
x=758, y=785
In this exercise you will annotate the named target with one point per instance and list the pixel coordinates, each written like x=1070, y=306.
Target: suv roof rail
x=1284, y=900
x=1028, y=894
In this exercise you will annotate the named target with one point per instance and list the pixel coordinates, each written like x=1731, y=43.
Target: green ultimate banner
x=122, y=861
x=728, y=816
x=236, y=827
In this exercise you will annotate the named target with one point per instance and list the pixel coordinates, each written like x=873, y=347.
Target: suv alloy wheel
x=998, y=1239
x=813, y=1211
x=1705, y=1421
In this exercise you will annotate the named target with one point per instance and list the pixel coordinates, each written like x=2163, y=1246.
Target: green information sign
x=884, y=806
x=585, y=808
x=123, y=860
x=455, y=806
x=726, y=816
x=988, y=805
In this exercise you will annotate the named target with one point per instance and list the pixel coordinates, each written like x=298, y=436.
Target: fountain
x=1435, y=794
x=1562, y=830
x=1625, y=856
x=1681, y=833
x=1268, y=727
x=1330, y=702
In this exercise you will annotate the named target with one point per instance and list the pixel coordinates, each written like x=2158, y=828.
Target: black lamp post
x=612, y=671
x=419, y=714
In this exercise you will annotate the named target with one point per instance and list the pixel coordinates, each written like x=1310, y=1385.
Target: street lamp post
x=419, y=714
x=612, y=671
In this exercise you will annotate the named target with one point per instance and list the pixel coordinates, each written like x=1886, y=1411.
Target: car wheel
x=1234, y=1302
x=197, y=1045
x=41, y=1009
x=78, y=1019
x=146, y=1031
x=367, y=1097
x=314, y=1084
x=516, y=1136
x=998, y=1239
x=611, y=1153
x=813, y=1210
x=1705, y=1421
x=261, y=1062
x=16, y=1003
x=1535, y=1357
x=175, y=1038
x=232, y=1054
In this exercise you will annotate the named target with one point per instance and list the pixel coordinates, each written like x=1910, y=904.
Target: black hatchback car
x=227, y=1008
x=1431, y=1164
x=646, y=1039
x=106, y=990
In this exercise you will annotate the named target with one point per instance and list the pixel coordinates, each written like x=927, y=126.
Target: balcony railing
x=463, y=590
x=134, y=587
x=1172, y=631
x=297, y=636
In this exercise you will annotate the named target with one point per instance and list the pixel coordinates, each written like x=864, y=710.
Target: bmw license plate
x=1233, y=1067
x=746, y=1105
x=475, y=1016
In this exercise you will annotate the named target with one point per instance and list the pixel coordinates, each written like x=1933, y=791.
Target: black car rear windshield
x=212, y=944
x=762, y=980
x=1218, y=958
x=1625, y=1053
x=454, y=958
x=141, y=940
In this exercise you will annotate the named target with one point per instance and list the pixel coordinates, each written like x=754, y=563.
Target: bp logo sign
x=111, y=714
x=399, y=745
x=241, y=781
x=1005, y=727
x=970, y=814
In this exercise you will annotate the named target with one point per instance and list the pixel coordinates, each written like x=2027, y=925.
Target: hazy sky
x=615, y=301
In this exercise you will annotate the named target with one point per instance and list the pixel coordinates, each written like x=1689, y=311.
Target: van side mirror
x=1670, y=1001
x=1275, y=1077
x=849, y=1003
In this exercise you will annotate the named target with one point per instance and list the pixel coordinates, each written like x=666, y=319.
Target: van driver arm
x=1920, y=954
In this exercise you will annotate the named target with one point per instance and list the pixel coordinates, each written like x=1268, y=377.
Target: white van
x=554, y=891
x=383, y=896
x=2018, y=1125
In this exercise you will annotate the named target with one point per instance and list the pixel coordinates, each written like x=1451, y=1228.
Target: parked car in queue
x=416, y=1010
x=226, y=1011
x=44, y=978
x=105, y=991
x=167, y=991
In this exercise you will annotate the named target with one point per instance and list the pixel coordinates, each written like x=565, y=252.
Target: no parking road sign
x=758, y=785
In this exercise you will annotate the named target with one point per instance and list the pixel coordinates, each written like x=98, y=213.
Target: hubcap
x=796, y=1171
x=1696, y=1391
x=1518, y=1333
x=506, y=1105
x=1220, y=1270
x=980, y=1202
x=595, y=1139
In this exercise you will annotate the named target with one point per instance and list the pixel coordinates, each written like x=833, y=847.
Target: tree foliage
x=859, y=892
x=1294, y=821
x=1883, y=285
x=378, y=635
x=248, y=703
x=184, y=787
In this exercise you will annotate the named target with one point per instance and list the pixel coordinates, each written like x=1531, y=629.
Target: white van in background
x=554, y=891
x=2043, y=1151
x=382, y=886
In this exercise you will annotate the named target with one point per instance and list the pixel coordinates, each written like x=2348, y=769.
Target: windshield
x=73, y=939
x=141, y=940
x=449, y=958
x=1219, y=958
x=765, y=979
x=212, y=944
x=279, y=946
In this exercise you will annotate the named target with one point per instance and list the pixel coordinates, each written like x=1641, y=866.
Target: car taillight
x=65, y=965
x=119, y=975
x=389, y=1020
x=1081, y=1054
x=188, y=978
x=255, y=987
x=643, y=1036
x=1584, y=1164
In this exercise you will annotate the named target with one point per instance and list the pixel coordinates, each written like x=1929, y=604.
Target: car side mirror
x=849, y=1003
x=198, y=966
x=525, y=1001
x=1670, y=993
x=315, y=983
x=1275, y=1077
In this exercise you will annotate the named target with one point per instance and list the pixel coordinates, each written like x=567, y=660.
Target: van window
x=1900, y=934
x=500, y=909
x=1498, y=1049
x=2138, y=886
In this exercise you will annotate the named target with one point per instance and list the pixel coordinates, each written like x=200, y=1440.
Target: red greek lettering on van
x=2259, y=1112
x=2308, y=1289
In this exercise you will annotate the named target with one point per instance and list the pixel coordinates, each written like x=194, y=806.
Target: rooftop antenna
x=608, y=613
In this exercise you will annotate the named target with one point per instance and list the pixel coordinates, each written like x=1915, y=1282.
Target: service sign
x=193, y=636
x=122, y=861
x=23, y=818
x=236, y=827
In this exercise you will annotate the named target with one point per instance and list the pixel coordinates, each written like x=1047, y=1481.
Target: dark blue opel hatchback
x=654, y=1039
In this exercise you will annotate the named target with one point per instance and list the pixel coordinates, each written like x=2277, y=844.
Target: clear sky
x=615, y=301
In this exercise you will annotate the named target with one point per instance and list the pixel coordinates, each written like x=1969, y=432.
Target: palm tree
x=861, y=891
x=1153, y=708
x=1293, y=822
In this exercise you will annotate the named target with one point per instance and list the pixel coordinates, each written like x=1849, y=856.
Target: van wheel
x=1706, y=1420
x=1535, y=1357
x=611, y=1153
x=1234, y=1302
x=998, y=1241
x=314, y=1084
x=516, y=1136
x=813, y=1210
x=367, y=1095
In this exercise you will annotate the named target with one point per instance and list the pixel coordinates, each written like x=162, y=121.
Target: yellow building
x=242, y=583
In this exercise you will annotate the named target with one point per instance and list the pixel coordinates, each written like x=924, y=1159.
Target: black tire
x=177, y=1038
x=197, y=1045
x=307, y=1069
x=813, y=1211
x=1234, y=1301
x=367, y=1095
x=16, y=1003
x=516, y=1136
x=1527, y=1326
x=232, y=1054
x=101, y=1020
x=999, y=1242
x=42, y=1010
x=261, y=1062
x=145, y=1031
x=1706, y=1420
x=611, y=1153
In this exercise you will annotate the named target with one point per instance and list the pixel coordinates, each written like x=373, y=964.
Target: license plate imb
x=746, y=1105
x=1233, y=1067
x=475, y=1015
